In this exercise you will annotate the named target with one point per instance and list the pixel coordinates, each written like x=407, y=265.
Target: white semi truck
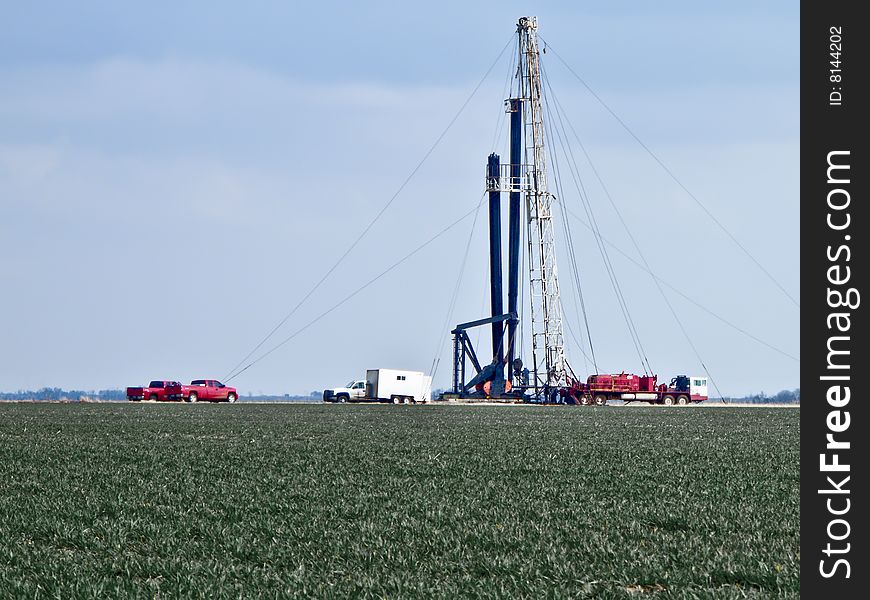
x=384, y=385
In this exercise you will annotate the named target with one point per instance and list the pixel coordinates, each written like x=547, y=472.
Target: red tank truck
x=628, y=387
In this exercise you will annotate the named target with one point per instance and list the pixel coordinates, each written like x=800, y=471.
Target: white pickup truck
x=384, y=385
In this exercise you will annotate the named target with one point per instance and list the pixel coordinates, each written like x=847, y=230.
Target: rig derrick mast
x=548, y=352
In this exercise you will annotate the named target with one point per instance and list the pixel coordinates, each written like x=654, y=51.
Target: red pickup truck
x=204, y=389
x=162, y=390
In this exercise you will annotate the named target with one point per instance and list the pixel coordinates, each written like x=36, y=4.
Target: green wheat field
x=361, y=501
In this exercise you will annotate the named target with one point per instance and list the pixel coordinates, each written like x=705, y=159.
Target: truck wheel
x=396, y=400
x=585, y=400
x=682, y=401
x=231, y=397
x=668, y=400
x=153, y=397
x=193, y=397
x=600, y=400
x=342, y=398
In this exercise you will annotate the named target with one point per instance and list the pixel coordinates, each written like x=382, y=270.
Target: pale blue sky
x=175, y=176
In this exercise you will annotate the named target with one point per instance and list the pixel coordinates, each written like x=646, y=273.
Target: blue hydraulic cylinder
x=516, y=111
x=495, y=268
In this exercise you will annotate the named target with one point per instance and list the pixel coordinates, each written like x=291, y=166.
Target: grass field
x=147, y=500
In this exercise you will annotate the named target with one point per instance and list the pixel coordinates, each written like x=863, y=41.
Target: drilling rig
x=549, y=378
x=524, y=180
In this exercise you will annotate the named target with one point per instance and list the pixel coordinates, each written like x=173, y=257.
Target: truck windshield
x=350, y=385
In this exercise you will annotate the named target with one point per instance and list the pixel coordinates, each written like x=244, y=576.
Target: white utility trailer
x=392, y=385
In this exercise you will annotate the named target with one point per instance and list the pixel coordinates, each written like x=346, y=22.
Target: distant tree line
x=57, y=394
x=781, y=397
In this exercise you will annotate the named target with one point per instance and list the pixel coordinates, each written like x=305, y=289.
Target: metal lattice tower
x=546, y=306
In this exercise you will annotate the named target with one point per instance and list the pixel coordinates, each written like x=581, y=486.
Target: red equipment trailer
x=628, y=387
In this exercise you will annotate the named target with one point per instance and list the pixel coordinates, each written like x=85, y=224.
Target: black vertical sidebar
x=835, y=225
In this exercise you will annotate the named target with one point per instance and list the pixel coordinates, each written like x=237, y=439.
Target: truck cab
x=698, y=388
x=354, y=390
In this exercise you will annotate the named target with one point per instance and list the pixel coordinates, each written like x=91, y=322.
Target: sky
x=175, y=177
